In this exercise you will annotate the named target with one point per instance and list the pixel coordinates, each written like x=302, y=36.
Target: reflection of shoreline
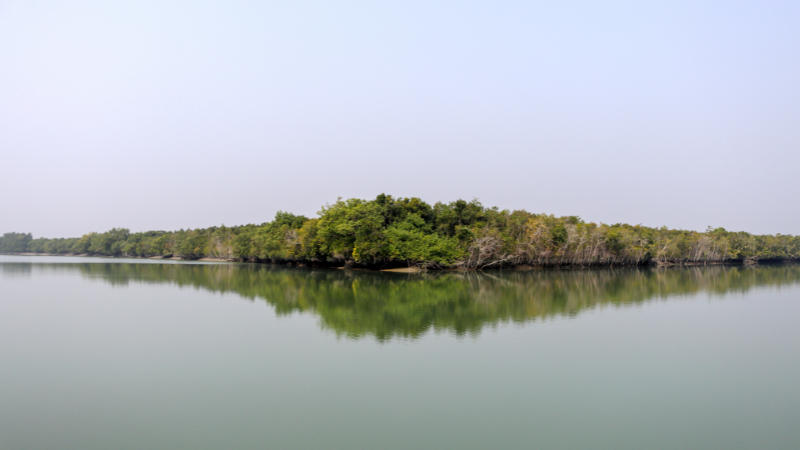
x=386, y=305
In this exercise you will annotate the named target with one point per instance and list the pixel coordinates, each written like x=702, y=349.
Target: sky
x=162, y=115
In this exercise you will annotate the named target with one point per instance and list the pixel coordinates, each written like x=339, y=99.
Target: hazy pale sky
x=169, y=114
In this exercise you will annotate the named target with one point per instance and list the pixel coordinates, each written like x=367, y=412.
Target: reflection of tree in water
x=358, y=303
x=16, y=270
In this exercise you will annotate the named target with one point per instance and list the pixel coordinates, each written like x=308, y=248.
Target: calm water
x=116, y=354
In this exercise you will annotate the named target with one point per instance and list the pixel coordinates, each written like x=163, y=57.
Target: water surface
x=130, y=354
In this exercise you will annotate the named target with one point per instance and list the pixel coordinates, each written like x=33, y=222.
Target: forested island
x=390, y=232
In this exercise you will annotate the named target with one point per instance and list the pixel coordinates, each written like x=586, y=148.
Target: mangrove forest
x=390, y=232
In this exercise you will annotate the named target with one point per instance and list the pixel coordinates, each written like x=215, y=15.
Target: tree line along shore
x=390, y=232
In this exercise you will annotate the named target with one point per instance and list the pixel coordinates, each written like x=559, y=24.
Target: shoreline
x=416, y=269
x=403, y=233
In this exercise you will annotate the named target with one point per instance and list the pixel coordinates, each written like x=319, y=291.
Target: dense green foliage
x=387, y=232
x=386, y=305
x=15, y=242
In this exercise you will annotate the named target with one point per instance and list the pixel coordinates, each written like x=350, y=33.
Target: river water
x=138, y=354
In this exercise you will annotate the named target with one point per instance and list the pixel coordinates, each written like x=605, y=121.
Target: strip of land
x=408, y=233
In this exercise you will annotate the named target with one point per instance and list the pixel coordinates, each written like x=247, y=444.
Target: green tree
x=15, y=242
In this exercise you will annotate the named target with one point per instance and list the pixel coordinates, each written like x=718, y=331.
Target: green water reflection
x=357, y=304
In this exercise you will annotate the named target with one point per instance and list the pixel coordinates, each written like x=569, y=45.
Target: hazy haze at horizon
x=152, y=115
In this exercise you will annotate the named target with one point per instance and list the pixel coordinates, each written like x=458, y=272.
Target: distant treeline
x=389, y=232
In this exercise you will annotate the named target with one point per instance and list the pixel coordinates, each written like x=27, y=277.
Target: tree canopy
x=392, y=232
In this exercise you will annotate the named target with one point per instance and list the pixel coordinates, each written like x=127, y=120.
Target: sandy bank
x=403, y=270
